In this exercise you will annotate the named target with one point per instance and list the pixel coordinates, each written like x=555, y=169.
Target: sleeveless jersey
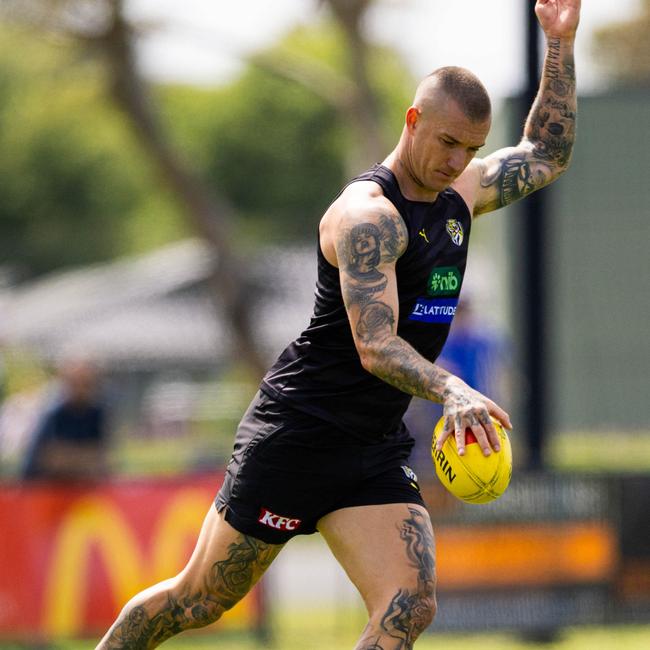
x=320, y=372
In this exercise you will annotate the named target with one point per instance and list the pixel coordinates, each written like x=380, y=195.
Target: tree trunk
x=209, y=214
x=363, y=107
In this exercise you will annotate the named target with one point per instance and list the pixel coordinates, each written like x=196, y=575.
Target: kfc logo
x=275, y=521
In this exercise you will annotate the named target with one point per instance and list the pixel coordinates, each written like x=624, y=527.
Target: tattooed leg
x=400, y=596
x=410, y=611
x=223, y=568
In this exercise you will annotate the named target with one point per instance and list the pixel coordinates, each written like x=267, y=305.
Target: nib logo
x=275, y=521
x=444, y=281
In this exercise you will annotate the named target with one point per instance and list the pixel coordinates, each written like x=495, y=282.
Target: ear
x=412, y=118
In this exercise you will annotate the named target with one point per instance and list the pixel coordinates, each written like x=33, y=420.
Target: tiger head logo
x=455, y=231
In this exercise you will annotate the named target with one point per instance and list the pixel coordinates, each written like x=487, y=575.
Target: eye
x=449, y=143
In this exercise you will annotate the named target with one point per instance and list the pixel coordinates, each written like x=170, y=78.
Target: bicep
x=508, y=175
x=372, y=305
x=367, y=251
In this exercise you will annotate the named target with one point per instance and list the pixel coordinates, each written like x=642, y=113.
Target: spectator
x=69, y=442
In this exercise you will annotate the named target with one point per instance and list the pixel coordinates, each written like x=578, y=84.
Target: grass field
x=627, y=638
x=614, y=638
x=309, y=631
x=583, y=451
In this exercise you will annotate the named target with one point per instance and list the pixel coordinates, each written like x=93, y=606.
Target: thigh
x=225, y=563
x=387, y=551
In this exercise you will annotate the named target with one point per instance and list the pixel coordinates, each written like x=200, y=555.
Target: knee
x=407, y=615
x=193, y=607
x=206, y=596
x=421, y=612
x=160, y=612
x=429, y=610
x=202, y=611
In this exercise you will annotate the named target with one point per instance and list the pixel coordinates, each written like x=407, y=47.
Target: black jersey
x=321, y=373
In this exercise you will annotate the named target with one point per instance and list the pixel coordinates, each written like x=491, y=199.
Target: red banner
x=72, y=555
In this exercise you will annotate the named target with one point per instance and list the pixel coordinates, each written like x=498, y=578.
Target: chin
x=439, y=186
x=433, y=184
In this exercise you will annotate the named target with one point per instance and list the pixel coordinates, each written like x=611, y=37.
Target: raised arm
x=367, y=245
x=545, y=149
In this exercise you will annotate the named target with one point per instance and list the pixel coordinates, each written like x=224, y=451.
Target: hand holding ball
x=473, y=477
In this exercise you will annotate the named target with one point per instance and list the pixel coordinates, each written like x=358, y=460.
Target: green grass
x=338, y=630
x=623, y=638
x=600, y=451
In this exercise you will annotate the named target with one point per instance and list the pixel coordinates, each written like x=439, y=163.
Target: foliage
x=77, y=188
x=623, y=49
x=71, y=178
x=276, y=152
x=20, y=372
x=274, y=146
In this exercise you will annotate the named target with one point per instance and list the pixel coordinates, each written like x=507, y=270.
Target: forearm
x=549, y=133
x=397, y=363
x=550, y=126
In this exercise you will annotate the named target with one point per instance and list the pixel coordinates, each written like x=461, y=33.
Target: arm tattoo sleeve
x=404, y=368
x=362, y=250
x=551, y=123
x=376, y=320
x=549, y=134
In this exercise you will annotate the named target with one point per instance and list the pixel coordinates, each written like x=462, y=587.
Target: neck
x=410, y=186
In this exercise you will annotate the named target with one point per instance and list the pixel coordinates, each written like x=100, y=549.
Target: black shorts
x=289, y=469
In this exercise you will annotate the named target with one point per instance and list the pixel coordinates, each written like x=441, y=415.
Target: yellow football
x=473, y=477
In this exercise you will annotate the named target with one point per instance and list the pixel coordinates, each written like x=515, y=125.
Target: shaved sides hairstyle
x=462, y=86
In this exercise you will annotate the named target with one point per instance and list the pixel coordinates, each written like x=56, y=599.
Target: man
x=70, y=441
x=322, y=447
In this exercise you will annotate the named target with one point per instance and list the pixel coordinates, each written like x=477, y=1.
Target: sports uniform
x=323, y=433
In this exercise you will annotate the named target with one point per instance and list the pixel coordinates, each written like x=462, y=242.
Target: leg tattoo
x=410, y=611
x=231, y=579
x=144, y=626
x=370, y=644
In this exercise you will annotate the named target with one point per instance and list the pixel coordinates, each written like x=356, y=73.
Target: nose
x=456, y=160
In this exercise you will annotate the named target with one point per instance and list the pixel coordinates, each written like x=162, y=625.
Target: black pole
x=533, y=267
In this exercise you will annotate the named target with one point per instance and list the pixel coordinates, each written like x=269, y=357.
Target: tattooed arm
x=545, y=150
x=365, y=243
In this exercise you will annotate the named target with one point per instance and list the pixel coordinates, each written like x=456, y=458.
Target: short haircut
x=464, y=87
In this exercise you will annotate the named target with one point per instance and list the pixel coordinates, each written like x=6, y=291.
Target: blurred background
x=164, y=167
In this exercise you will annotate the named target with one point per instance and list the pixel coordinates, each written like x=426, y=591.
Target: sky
x=204, y=41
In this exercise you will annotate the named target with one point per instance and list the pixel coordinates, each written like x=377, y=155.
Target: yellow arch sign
x=96, y=522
